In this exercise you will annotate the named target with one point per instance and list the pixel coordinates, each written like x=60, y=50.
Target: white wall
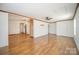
x=14, y=23
x=3, y=29
x=52, y=28
x=65, y=28
x=76, y=27
x=39, y=30
x=14, y=27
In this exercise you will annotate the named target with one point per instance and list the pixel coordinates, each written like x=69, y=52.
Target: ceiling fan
x=48, y=18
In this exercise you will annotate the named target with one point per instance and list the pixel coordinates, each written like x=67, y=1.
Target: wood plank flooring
x=22, y=44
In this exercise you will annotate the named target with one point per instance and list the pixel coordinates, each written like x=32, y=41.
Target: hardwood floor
x=22, y=44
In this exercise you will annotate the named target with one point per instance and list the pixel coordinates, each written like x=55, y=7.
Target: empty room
x=39, y=28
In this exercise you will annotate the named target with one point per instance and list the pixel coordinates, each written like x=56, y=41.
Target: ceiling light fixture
x=47, y=18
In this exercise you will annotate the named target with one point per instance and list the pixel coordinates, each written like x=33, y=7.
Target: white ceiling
x=57, y=11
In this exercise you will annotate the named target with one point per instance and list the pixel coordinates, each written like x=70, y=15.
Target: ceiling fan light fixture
x=47, y=18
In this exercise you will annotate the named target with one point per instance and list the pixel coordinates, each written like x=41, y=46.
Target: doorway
x=23, y=28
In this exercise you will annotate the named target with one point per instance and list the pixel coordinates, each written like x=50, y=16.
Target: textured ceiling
x=57, y=11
